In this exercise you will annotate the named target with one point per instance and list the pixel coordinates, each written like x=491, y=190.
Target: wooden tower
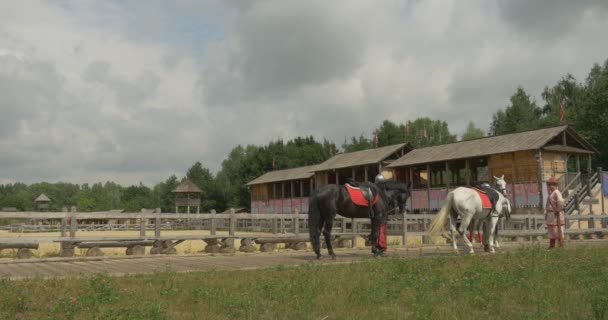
x=187, y=194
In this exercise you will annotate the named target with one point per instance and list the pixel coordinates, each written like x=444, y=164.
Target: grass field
x=529, y=283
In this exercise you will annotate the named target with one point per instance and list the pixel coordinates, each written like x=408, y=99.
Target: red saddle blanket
x=356, y=195
x=485, y=200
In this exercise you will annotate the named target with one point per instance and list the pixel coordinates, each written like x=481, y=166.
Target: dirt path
x=117, y=266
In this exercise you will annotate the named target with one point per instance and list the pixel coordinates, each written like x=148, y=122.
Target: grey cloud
x=28, y=88
x=275, y=49
x=546, y=20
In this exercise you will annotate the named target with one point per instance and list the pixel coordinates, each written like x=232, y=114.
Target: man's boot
x=551, y=243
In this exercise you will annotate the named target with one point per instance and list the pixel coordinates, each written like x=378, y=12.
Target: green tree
x=424, y=132
x=590, y=112
x=523, y=114
x=358, y=144
x=472, y=132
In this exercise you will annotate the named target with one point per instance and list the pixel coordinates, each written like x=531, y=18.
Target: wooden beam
x=428, y=185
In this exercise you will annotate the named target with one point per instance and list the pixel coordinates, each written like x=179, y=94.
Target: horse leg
x=490, y=226
x=453, y=232
x=329, y=223
x=464, y=224
x=496, y=238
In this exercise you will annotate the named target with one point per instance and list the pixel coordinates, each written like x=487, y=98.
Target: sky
x=135, y=91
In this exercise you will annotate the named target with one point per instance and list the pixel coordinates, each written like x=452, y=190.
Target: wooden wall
x=516, y=166
x=554, y=164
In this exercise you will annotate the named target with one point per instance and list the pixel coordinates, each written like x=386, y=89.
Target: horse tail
x=438, y=223
x=314, y=224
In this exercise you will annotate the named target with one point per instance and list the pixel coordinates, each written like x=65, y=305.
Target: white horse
x=465, y=203
x=475, y=226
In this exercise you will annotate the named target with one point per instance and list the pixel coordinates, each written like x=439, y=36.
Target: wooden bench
x=268, y=243
x=23, y=247
x=137, y=245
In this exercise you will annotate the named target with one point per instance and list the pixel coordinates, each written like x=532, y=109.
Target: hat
x=552, y=181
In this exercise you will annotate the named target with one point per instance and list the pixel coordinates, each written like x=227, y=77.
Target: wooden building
x=187, y=195
x=360, y=165
x=282, y=191
x=526, y=159
x=42, y=202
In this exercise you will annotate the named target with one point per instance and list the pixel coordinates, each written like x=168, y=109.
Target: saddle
x=488, y=196
x=360, y=195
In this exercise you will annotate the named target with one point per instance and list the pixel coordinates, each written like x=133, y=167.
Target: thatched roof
x=284, y=175
x=42, y=198
x=187, y=186
x=361, y=158
x=521, y=141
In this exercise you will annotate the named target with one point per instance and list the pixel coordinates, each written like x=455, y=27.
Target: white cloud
x=135, y=91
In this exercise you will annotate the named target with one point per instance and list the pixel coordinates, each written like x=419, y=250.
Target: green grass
x=524, y=284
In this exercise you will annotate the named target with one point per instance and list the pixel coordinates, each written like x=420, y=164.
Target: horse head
x=505, y=206
x=396, y=194
x=501, y=184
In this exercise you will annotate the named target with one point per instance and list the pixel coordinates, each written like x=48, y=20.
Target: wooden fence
x=291, y=229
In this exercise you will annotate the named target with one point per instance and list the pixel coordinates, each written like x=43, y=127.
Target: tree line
x=583, y=104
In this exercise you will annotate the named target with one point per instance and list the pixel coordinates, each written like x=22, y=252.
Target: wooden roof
x=521, y=141
x=187, y=186
x=361, y=158
x=284, y=175
x=568, y=149
x=42, y=198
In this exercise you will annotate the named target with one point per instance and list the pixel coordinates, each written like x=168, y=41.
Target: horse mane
x=393, y=185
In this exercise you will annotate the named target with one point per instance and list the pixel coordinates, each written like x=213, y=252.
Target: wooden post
x=366, y=174
x=601, y=177
x=353, y=173
x=513, y=175
x=157, y=224
x=213, y=222
x=142, y=225
x=578, y=163
x=404, y=240
x=275, y=226
x=355, y=230
x=589, y=166
x=428, y=185
x=296, y=222
x=232, y=228
x=448, y=175
x=467, y=172
x=73, y=222
x=539, y=176
x=64, y=221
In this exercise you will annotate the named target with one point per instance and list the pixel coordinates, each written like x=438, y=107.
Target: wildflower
x=73, y=299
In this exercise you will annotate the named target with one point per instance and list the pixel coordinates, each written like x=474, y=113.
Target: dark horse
x=334, y=199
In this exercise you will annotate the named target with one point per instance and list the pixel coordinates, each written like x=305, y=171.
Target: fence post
x=404, y=240
x=64, y=222
x=142, y=224
x=296, y=221
x=275, y=225
x=602, y=186
x=73, y=222
x=353, y=226
x=213, y=222
x=157, y=224
x=232, y=227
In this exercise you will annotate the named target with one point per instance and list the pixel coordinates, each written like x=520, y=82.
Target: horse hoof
x=319, y=257
x=333, y=257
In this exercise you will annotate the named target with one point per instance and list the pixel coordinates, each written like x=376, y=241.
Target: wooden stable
x=526, y=159
x=282, y=191
x=359, y=165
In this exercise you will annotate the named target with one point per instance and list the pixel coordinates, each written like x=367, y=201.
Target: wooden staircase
x=580, y=192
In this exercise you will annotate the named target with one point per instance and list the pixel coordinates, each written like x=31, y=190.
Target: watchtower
x=187, y=194
x=42, y=202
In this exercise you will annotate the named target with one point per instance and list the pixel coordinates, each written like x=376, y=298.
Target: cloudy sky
x=132, y=91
